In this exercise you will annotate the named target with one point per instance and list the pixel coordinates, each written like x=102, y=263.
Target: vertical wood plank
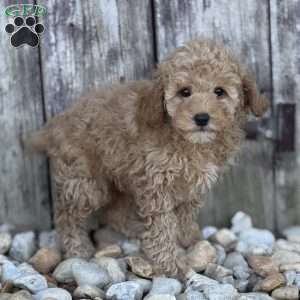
x=24, y=193
x=90, y=43
x=285, y=34
x=244, y=27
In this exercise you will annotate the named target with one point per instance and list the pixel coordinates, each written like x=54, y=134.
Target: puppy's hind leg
x=78, y=198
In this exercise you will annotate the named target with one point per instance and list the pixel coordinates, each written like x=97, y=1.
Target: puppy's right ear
x=254, y=100
x=152, y=104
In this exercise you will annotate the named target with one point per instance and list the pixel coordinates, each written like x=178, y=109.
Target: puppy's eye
x=185, y=92
x=219, y=91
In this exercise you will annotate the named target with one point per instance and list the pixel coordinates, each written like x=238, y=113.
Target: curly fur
x=134, y=152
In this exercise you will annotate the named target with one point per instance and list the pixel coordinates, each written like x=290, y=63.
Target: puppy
x=143, y=152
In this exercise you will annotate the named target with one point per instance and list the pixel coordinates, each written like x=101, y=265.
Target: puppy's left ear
x=253, y=99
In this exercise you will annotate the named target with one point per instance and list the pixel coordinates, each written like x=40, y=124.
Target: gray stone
x=49, y=239
x=145, y=283
x=165, y=286
x=200, y=255
x=131, y=247
x=112, y=267
x=283, y=257
x=161, y=297
x=241, y=285
x=5, y=242
x=221, y=254
x=287, y=245
x=237, y=263
x=23, y=246
x=53, y=293
x=63, y=272
x=90, y=274
x=217, y=272
x=297, y=280
x=9, y=271
x=290, y=277
x=208, y=231
x=21, y=295
x=254, y=296
x=32, y=282
x=240, y=222
x=194, y=295
x=292, y=234
x=5, y=296
x=128, y=290
x=197, y=282
x=286, y=293
x=255, y=241
x=7, y=227
x=221, y=291
x=88, y=291
x=225, y=238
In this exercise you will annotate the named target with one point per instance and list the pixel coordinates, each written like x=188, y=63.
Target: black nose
x=201, y=119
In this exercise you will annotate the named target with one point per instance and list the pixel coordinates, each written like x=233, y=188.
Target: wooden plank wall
x=285, y=41
x=91, y=43
x=24, y=191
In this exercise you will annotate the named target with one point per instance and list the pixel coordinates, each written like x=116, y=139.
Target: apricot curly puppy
x=144, y=151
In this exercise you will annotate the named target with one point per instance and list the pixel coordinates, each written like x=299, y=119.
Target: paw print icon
x=24, y=31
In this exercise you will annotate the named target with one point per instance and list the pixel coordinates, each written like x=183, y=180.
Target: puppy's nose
x=201, y=119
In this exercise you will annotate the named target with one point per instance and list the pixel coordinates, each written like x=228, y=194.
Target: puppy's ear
x=254, y=100
x=152, y=104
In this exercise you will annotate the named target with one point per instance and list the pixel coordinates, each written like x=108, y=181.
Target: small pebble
x=270, y=283
x=49, y=239
x=240, y=222
x=286, y=245
x=5, y=242
x=225, y=238
x=21, y=295
x=90, y=274
x=217, y=272
x=63, y=272
x=112, y=267
x=237, y=263
x=128, y=290
x=208, y=231
x=297, y=280
x=110, y=251
x=160, y=297
x=200, y=255
x=23, y=246
x=262, y=265
x=220, y=291
x=144, y=283
x=45, y=260
x=32, y=282
x=53, y=293
x=131, y=247
x=256, y=242
x=292, y=234
x=286, y=293
x=290, y=277
x=165, y=286
x=254, y=296
x=88, y=291
x=139, y=266
x=283, y=257
x=5, y=296
x=221, y=254
x=194, y=295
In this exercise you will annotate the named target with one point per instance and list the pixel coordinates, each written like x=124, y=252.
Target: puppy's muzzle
x=201, y=119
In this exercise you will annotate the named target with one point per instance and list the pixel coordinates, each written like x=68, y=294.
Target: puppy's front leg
x=188, y=230
x=160, y=237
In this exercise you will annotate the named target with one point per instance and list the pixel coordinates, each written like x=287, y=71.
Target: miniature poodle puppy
x=143, y=152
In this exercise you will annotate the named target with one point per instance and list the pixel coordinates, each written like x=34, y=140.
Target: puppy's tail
x=38, y=141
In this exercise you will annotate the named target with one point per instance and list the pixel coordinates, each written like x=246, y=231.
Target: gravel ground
x=238, y=263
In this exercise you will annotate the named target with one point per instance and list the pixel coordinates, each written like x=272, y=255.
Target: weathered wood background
x=88, y=43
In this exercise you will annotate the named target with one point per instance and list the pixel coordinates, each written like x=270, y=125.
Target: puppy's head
x=203, y=91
